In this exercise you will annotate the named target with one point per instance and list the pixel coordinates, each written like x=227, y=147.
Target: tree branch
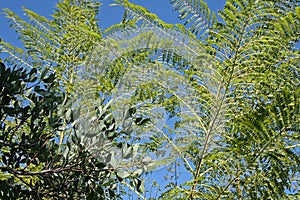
x=43, y=172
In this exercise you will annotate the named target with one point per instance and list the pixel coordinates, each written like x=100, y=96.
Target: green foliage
x=33, y=164
x=217, y=96
x=199, y=18
x=221, y=95
x=60, y=44
x=60, y=138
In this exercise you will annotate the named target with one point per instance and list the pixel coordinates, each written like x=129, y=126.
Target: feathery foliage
x=216, y=98
x=221, y=95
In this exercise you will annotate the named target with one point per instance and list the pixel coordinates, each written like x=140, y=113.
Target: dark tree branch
x=43, y=172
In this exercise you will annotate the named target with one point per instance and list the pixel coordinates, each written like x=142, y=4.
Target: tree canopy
x=93, y=114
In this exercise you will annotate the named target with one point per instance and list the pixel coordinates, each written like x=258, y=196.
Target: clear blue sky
x=108, y=15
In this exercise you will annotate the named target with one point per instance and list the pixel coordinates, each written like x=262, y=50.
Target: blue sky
x=108, y=15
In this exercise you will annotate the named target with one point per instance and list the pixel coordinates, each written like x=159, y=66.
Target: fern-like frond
x=150, y=22
x=61, y=43
x=16, y=56
x=196, y=14
x=268, y=153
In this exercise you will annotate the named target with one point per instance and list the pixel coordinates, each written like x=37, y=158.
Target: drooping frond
x=61, y=43
x=149, y=22
x=267, y=146
x=16, y=55
x=196, y=14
